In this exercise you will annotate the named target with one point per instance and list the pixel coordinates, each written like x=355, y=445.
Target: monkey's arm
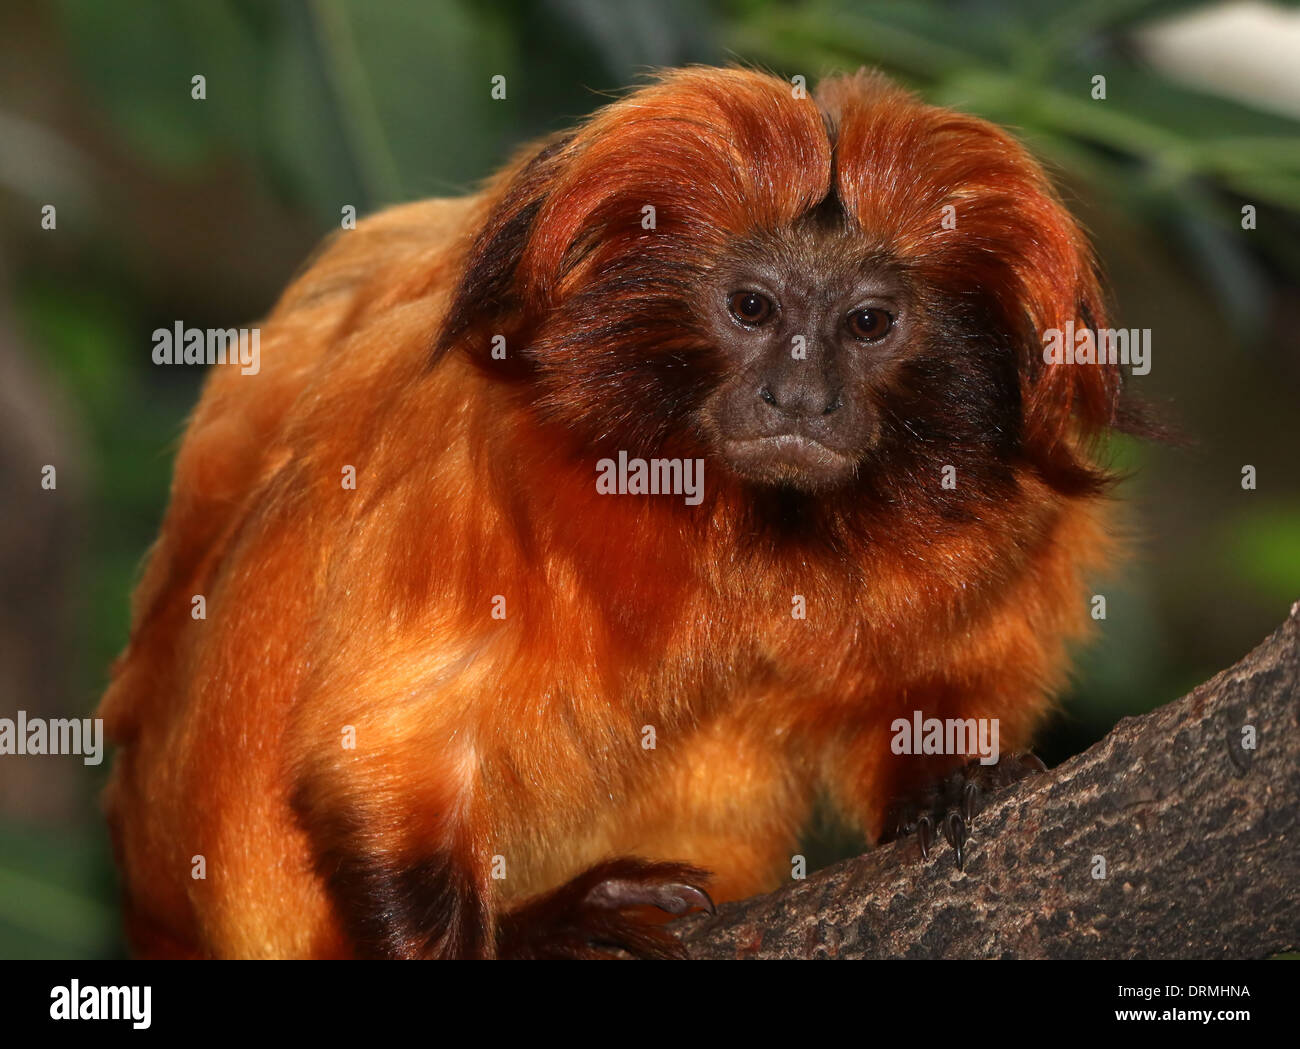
x=386, y=784
x=412, y=828
x=998, y=670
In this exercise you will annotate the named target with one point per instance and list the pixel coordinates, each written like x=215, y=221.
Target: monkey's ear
x=1047, y=285
x=1055, y=394
x=488, y=290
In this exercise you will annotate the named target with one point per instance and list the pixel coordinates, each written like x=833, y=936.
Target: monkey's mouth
x=789, y=459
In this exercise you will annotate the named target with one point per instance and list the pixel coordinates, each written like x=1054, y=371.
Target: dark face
x=811, y=330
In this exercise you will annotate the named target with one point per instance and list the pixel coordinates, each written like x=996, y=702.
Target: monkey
x=452, y=699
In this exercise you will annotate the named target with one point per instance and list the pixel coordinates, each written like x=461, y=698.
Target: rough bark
x=1200, y=837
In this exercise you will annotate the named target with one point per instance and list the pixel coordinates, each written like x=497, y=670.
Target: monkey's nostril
x=767, y=395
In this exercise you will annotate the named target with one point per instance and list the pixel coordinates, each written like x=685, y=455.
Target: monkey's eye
x=869, y=325
x=751, y=308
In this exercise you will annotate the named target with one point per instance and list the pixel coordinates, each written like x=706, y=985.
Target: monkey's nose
x=801, y=400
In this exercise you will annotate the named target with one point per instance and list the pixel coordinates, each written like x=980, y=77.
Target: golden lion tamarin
x=575, y=537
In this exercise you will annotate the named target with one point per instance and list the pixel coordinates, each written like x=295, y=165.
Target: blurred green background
x=171, y=208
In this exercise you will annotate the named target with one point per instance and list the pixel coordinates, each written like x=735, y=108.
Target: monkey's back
x=201, y=782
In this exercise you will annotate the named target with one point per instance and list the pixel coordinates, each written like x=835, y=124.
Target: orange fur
x=521, y=738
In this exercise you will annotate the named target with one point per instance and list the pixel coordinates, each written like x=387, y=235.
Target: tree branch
x=1199, y=834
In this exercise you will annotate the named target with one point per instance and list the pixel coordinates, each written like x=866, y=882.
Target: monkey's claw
x=924, y=828
x=596, y=914
x=673, y=897
x=954, y=801
x=955, y=833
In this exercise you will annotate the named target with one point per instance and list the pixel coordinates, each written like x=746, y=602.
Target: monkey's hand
x=952, y=802
x=603, y=913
